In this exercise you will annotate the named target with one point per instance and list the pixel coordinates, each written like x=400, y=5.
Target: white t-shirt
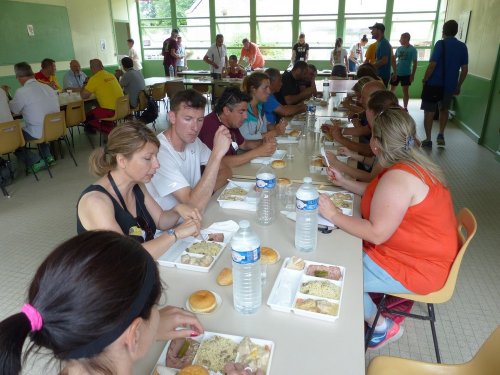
x=339, y=59
x=358, y=52
x=217, y=55
x=34, y=100
x=177, y=170
x=5, y=114
x=132, y=53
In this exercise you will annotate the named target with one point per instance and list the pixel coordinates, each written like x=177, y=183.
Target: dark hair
x=381, y=100
x=233, y=57
x=299, y=65
x=450, y=28
x=190, y=97
x=338, y=44
x=364, y=38
x=230, y=97
x=127, y=62
x=46, y=63
x=83, y=290
x=130, y=41
x=367, y=70
x=312, y=67
x=245, y=40
x=273, y=74
x=254, y=80
x=176, y=31
x=23, y=69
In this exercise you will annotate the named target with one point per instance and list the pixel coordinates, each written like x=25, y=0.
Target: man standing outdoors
x=74, y=79
x=33, y=101
x=132, y=53
x=449, y=58
x=216, y=56
x=275, y=110
x=107, y=90
x=169, y=52
x=383, y=53
x=290, y=92
x=47, y=74
x=231, y=111
x=406, y=66
x=252, y=54
x=189, y=172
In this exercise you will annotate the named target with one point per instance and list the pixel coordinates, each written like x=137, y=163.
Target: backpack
x=150, y=114
x=6, y=172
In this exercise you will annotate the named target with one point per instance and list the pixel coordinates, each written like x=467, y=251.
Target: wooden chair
x=75, y=117
x=485, y=362
x=11, y=138
x=172, y=88
x=158, y=93
x=142, y=104
x=54, y=129
x=122, y=110
x=204, y=89
x=466, y=223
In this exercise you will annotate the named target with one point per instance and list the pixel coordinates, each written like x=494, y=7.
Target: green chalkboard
x=52, y=33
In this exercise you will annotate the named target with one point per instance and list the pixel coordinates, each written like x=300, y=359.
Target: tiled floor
x=40, y=215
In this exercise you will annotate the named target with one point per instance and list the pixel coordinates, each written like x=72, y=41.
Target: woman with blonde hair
x=119, y=201
x=408, y=224
x=255, y=127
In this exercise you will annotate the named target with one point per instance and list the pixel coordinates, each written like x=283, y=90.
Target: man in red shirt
x=47, y=74
x=252, y=53
x=169, y=52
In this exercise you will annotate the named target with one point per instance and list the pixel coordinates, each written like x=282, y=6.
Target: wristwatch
x=172, y=233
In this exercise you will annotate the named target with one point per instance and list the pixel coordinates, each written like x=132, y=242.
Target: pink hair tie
x=33, y=316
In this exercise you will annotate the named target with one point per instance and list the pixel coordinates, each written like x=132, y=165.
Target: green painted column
x=436, y=22
x=173, y=14
x=211, y=11
x=341, y=20
x=295, y=21
x=253, y=21
x=388, y=18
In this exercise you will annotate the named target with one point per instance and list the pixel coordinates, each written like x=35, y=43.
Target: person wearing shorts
x=405, y=60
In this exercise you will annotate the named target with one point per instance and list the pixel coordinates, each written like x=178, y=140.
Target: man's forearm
x=233, y=161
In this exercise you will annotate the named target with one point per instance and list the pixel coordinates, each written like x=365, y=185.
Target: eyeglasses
x=143, y=224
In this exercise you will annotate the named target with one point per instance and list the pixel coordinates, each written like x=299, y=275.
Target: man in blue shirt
x=383, y=53
x=74, y=77
x=405, y=59
x=449, y=58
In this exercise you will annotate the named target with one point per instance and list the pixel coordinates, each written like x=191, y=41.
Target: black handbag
x=433, y=93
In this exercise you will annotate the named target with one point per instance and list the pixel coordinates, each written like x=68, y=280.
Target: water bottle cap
x=244, y=224
x=307, y=180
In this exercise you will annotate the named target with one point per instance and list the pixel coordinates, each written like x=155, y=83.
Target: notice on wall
x=102, y=44
x=31, y=30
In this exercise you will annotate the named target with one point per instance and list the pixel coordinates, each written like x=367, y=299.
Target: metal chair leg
x=5, y=192
x=69, y=150
x=432, y=319
x=371, y=329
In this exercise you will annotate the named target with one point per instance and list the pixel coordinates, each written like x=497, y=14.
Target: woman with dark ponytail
x=95, y=314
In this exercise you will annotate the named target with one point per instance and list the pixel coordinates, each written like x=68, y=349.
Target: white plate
x=278, y=155
x=218, y=300
x=286, y=290
x=249, y=203
x=172, y=258
x=208, y=335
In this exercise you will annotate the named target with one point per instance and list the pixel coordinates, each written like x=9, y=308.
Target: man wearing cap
x=383, y=53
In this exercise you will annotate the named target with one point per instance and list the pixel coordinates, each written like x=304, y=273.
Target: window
x=365, y=6
x=156, y=25
x=233, y=21
x=193, y=20
x=274, y=28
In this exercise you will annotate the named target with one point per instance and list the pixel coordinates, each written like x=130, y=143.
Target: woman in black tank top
x=119, y=201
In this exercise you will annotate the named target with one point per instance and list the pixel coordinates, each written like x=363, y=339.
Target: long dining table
x=302, y=345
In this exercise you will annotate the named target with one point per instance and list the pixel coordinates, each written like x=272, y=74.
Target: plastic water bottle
x=265, y=182
x=326, y=89
x=171, y=71
x=306, y=224
x=247, y=282
x=311, y=113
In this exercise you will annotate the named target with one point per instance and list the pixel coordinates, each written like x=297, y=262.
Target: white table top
x=193, y=81
x=65, y=98
x=302, y=345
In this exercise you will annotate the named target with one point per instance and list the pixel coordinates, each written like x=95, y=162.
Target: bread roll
x=268, y=255
x=202, y=301
x=283, y=181
x=294, y=133
x=276, y=164
x=193, y=370
x=317, y=163
x=225, y=277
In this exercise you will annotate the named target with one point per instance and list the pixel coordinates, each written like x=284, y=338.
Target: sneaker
x=440, y=140
x=379, y=339
x=36, y=167
x=427, y=144
x=51, y=161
